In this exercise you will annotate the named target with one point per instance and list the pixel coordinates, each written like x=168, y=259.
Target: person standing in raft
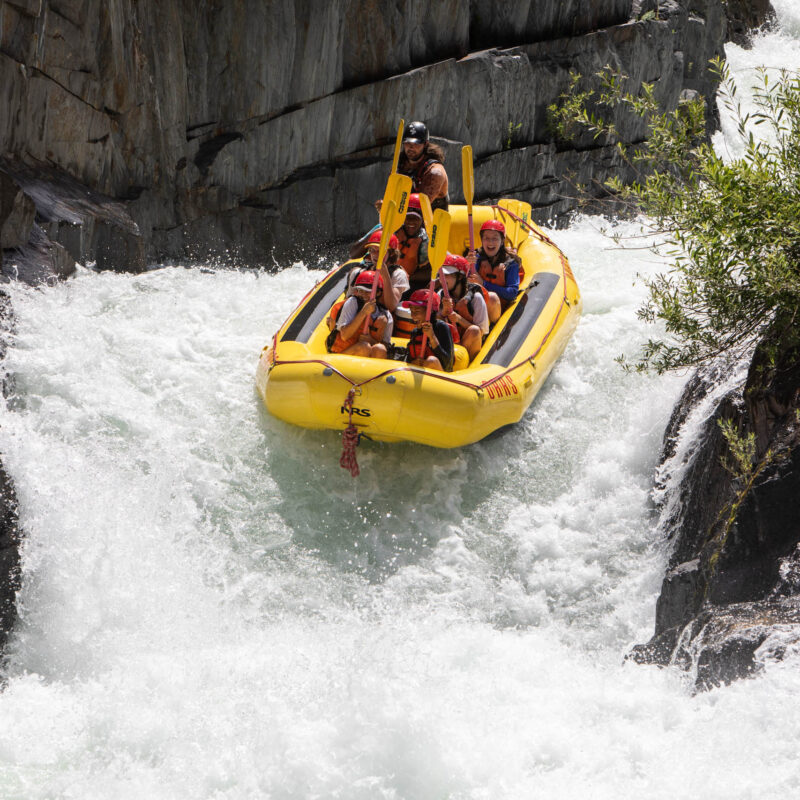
x=495, y=268
x=347, y=321
x=466, y=307
x=423, y=162
x=438, y=352
x=391, y=271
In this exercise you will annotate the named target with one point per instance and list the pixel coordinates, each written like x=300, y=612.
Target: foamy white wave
x=212, y=608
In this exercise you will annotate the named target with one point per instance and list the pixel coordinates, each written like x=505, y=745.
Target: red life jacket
x=414, y=345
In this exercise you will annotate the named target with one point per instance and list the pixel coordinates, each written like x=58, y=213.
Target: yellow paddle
x=398, y=145
x=512, y=228
x=468, y=179
x=427, y=211
x=398, y=188
x=437, y=251
x=393, y=215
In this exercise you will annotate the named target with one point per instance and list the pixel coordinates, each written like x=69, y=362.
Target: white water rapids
x=213, y=608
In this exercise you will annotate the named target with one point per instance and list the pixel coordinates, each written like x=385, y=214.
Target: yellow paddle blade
x=512, y=225
x=388, y=229
x=427, y=211
x=439, y=238
x=398, y=188
x=467, y=175
x=398, y=145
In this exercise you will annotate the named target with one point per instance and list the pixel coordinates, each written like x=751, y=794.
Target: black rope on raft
x=350, y=439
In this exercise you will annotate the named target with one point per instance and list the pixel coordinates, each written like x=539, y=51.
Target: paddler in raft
x=423, y=162
x=391, y=271
x=346, y=321
x=411, y=242
x=466, y=307
x=438, y=353
x=495, y=268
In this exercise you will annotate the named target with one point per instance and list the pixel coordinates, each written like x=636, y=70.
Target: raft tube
x=301, y=383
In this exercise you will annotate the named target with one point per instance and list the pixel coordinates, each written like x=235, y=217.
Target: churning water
x=212, y=608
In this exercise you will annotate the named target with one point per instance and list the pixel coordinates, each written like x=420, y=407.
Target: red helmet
x=366, y=278
x=493, y=225
x=459, y=262
x=375, y=238
x=420, y=298
x=413, y=201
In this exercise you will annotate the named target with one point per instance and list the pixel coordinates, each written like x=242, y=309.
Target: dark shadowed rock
x=9, y=519
x=734, y=576
x=38, y=261
x=746, y=16
x=87, y=224
x=17, y=212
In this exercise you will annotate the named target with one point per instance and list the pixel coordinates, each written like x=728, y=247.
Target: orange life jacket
x=336, y=343
x=403, y=323
x=409, y=250
x=492, y=274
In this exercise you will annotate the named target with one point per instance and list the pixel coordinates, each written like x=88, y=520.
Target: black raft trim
x=317, y=306
x=523, y=318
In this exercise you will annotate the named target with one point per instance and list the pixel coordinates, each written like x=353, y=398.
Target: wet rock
x=734, y=573
x=680, y=597
x=746, y=16
x=38, y=261
x=74, y=223
x=17, y=212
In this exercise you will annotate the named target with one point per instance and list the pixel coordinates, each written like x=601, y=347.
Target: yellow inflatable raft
x=301, y=383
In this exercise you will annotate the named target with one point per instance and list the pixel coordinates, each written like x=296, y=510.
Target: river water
x=213, y=608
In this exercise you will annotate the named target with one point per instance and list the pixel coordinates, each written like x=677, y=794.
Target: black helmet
x=416, y=133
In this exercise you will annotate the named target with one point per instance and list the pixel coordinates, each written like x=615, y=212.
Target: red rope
x=350, y=437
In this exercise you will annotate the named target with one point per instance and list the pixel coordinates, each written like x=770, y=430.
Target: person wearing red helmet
x=392, y=273
x=438, y=353
x=466, y=308
x=413, y=242
x=423, y=162
x=347, y=321
x=495, y=268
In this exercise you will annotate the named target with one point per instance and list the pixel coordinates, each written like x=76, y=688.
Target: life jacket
x=415, y=346
x=415, y=342
x=416, y=175
x=493, y=274
x=469, y=296
x=403, y=323
x=336, y=343
x=409, y=250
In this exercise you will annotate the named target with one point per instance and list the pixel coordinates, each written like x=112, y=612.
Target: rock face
x=731, y=597
x=252, y=131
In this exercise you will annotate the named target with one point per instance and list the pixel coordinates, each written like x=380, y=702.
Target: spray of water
x=213, y=608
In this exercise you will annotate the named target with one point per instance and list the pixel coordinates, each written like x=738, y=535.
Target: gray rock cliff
x=253, y=131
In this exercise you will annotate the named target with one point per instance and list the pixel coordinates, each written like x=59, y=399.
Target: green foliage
x=512, y=135
x=744, y=465
x=730, y=226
